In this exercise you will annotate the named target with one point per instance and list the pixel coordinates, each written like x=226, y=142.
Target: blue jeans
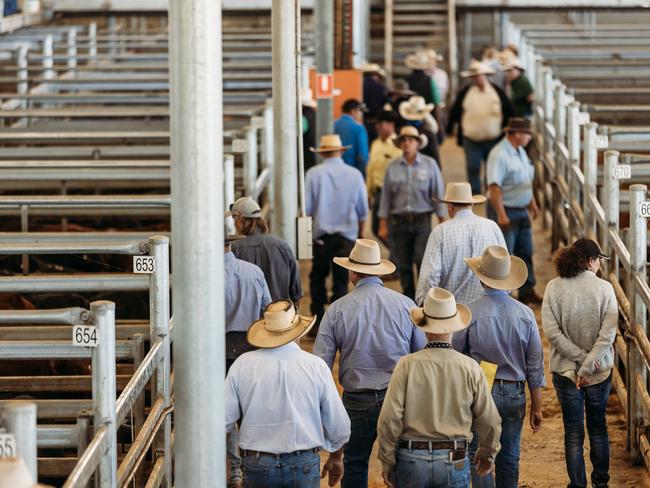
x=419, y=468
x=363, y=410
x=475, y=154
x=510, y=399
x=574, y=403
x=408, y=236
x=293, y=470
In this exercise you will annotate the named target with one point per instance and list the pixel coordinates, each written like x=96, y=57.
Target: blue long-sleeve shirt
x=247, y=294
x=354, y=134
x=504, y=332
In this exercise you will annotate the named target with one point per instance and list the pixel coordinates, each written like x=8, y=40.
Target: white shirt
x=465, y=236
x=482, y=115
x=287, y=400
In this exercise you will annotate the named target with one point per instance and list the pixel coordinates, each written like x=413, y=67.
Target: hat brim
x=233, y=237
x=411, y=64
x=308, y=102
x=515, y=129
x=458, y=322
x=508, y=68
x=469, y=74
x=405, y=113
x=385, y=267
x=515, y=279
x=424, y=140
x=475, y=199
x=329, y=149
x=259, y=336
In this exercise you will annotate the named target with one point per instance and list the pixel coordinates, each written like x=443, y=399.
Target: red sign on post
x=324, y=85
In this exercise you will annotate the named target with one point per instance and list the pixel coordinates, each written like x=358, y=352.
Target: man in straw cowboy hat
x=288, y=405
x=504, y=332
x=466, y=234
x=521, y=91
x=416, y=112
x=371, y=329
x=411, y=184
x=481, y=110
x=512, y=204
x=375, y=95
x=434, y=400
x=336, y=198
x=349, y=126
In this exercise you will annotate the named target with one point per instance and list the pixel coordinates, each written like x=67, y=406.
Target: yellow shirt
x=381, y=155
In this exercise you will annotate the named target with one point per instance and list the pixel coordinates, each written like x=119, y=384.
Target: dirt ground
x=542, y=457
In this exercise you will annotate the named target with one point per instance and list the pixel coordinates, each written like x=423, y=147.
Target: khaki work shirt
x=382, y=152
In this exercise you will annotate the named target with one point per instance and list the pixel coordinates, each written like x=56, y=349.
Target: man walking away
x=353, y=134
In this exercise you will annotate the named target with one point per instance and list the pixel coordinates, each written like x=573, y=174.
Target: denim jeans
x=475, y=153
x=363, y=410
x=510, y=399
x=419, y=468
x=293, y=470
x=519, y=240
x=408, y=238
x=591, y=400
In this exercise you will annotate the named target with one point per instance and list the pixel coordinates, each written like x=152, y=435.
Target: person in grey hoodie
x=579, y=316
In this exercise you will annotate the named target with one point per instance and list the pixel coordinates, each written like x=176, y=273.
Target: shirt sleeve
x=266, y=295
x=606, y=335
x=336, y=423
x=233, y=412
x=495, y=169
x=325, y=345
x=459, y=340
x=295, y=284
x=438, y=191
x=431, y=270
x=371, y=170
x=565, y=346
x=534, y=358
x=384, y=204
x=362, y=148
x=418, y=339
x=487, y=421
x=391, y=417
x=362, y=200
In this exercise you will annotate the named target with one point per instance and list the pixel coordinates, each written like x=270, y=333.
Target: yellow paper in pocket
x=490, y=372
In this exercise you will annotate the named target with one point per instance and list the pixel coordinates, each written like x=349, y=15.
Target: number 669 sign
x=644, y=209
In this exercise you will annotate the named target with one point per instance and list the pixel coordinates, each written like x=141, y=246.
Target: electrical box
x=304, y=238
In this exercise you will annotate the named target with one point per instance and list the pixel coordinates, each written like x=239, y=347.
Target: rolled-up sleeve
x=391, y=418
x=336, y=423
x=361, y=206
x=535, y=358
x=487, y=421
x=495, y=169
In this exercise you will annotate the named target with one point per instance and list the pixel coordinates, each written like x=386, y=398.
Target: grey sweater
x=580, y=316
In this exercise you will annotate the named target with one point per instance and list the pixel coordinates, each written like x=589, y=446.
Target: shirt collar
x=492, y=291
x=466, y=212
x=402, y=160
x=333, y=160
x=349, y=117
x=228, y=258
x=510, y=148
x=374, y=280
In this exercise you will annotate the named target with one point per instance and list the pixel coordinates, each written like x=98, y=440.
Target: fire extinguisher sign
x=324, y=85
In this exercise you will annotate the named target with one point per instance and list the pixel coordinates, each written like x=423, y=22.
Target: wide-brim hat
x=330, y=143
x=461, y=193
x=497, y=269
x=401, y=88
x=365, y=258
x=433, y=55
x=368, y=68
x=307, y=98
x=440, y=314
x=415, y=108
x=410, y=131
x=519, y=124
x=281, y=325
x=511, y=62
x=419, y=60
x=477, y=68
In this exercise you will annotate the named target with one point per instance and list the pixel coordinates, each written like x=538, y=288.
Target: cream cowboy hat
x=477, y=68
x=415, y=108
x=440, y=314
x=307, y=97
x=497, y=269
x=365, y=258
x=330, y=143
x=280, y=325
x=419, y=60
x=434, y=56
x=511, y=63
x=367, y=67
x=410, y=131
x=461, y=193
x=14, y=474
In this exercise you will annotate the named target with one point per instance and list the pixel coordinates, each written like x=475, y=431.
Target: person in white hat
x=371, y=329
x=416, y=112
x=504, y=332
x=481, y=111
x=435, y=398
x=440, y=78
x=336, y=199
x=375, y=96
x=288, y=406
x=466, y=234
x=411, y=184
x=521, y=90
x=273, y=255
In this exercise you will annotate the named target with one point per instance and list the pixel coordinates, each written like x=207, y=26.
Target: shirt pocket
x=422, y=180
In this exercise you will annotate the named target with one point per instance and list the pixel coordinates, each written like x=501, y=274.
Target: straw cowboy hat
x=512, y=63
x=307, y=97
x=280, y=325
x=410, y=131
x=434, y=56
x=477, y=68
x=440, y=314
x=419, y=60
x=401, y=87
x=461, y=193
x=497, y=269
x=518, y=124
x=330, y=143
x=365, y=258
x=368, y=68
x=14, y=474
x=415, y=108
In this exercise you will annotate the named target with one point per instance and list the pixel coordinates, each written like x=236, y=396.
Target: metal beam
x=324, y=27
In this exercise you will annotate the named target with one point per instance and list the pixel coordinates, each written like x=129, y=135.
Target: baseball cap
x=589, y=249
x=245, y=207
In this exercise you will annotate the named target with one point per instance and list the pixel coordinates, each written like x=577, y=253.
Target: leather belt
x=433, y=445
x=250, y=452
x=509, y=382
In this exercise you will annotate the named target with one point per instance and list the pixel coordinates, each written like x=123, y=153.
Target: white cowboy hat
x=497, y=269
x=440, y=314
x=433, y=55
x=365, y=258
x=330, y=143
x=461, y=193
x=307, y=97
x=410, y=131
x=415, y=108
x=14, y=474
x=420, y=59
x=512, y=63
x=280, y=325
x=477, y=68
x=367, y=67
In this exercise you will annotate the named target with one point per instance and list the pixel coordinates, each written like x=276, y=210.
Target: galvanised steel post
x=20, y=420
x=324, y=42
x=228, y=180
x=548, y=94
x=72, y=48
x=197, y=222
x=267, y=152
x=589, y=168
x=285, y=135
x=48, y=60
x=92, y=39
x=388, y=38
x=611, y=206
x=104, y=396
x=250, y=159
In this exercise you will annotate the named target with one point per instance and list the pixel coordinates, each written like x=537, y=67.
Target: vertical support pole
x=360, y=20
x=84, y=432
x=112, y=35
x=20, y=420
x=48, y=57
x=228, y=180
x=589, y=169
x=611, y=204
x=504, y=21
x=548, y=94
x=452, y=40
x=103, y=379
x=283, y=15
x=388, y=38
x=250, y=160
x=23, y=73
x=92, y=40
x=72, y=48
x=467, y=37
x=197, y=220
x=324, y=27
x=267, y=152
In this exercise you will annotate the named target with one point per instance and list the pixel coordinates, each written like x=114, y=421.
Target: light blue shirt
x=246, y=293
x=511, y=169
x=372, y=329
x=354, y=134
x=504, y=332
x=287, y=401
x=336, y=198
x=411, y=188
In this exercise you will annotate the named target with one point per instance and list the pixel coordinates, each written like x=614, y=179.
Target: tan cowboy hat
x=434, y=56
x=440, y=314
x=367, y=67
x=14, y=474
x=511, y=62
x=280, y=325
x=418, y=60
x=365, y=258
x=307, y=97
x=497, y=269
x=410, y=131
x=477, y=68
x=330, y=143
x=415, y=108
x=401, y=87
x=461, y=193
x=518, y=124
